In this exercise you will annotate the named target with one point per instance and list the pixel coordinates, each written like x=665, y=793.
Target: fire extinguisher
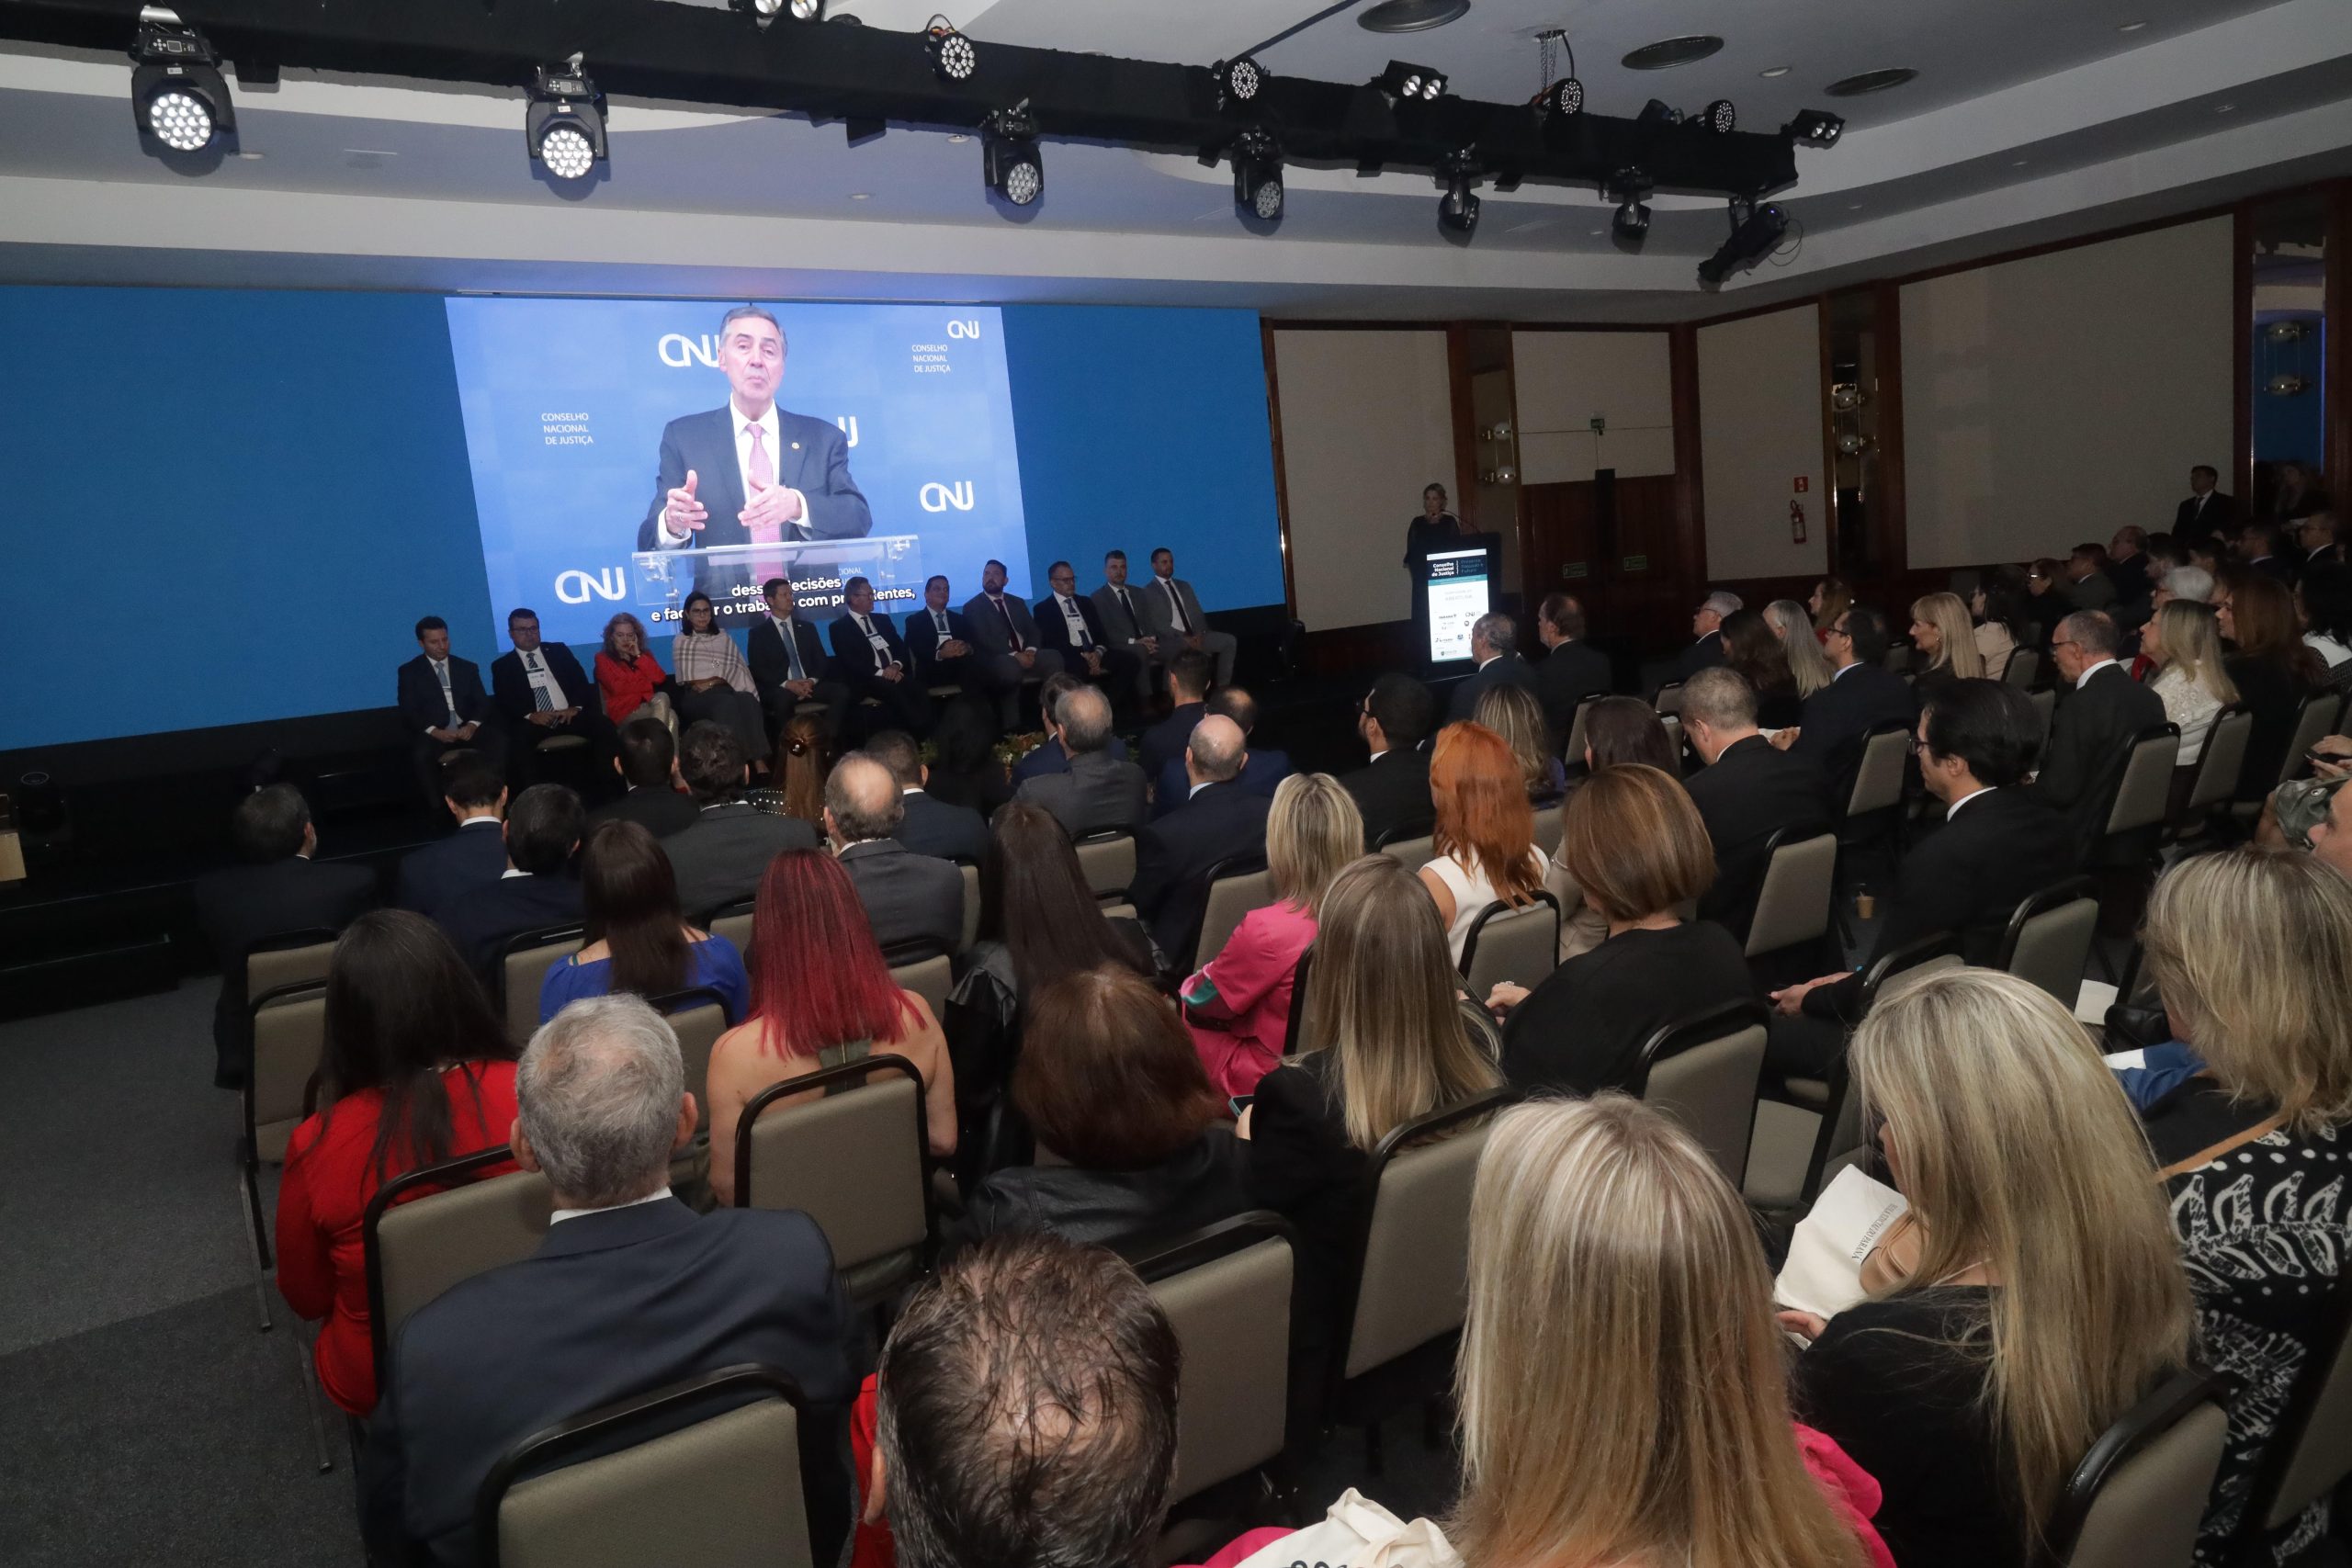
x=1796, y=522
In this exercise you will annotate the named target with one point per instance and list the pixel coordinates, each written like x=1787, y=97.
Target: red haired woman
x=1486, y=830
x=821, y=995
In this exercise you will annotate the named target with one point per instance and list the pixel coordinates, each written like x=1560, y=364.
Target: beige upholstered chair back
x=268, y=968
x=2053, y=945
x=852, y=1161
x=1230, y=898
x=1232, y=1318
x=428, y=1244
x=1412, y=853
x=1109, y=863
x=2223, y=760
x=2135, y=1499
x=2144, y=789
x=2313, y=722
x=290, y=1038
x=1705, y=1078
x=1794, y=903
x=1878, y=781
x=930, y=978
x=1519, y=945
x=1417, y=1252
x=971, y=907
x=524, y=971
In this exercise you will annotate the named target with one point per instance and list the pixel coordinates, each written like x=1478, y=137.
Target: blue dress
x=714, y=962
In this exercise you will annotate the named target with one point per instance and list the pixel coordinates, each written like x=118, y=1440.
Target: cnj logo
x=939, y=497
x=578, y=587
x=964, y=329
x=678, y=351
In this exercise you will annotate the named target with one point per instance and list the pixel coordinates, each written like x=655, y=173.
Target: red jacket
x=626, y=686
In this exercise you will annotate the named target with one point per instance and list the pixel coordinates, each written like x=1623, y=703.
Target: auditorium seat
x=853, y=1159
x=424, y=1231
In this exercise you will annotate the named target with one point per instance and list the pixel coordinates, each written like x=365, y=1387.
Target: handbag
x=1360, y=1533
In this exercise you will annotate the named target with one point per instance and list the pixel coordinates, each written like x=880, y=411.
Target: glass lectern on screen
x=883, y=449
x=1457, y=583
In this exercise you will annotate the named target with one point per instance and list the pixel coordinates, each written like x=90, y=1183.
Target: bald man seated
x=915, y=903
x=1219, y=821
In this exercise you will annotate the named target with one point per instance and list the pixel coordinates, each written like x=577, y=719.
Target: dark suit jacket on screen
x=910, y=900
x=509, y=683
x=1391, y=791
x=244, y=905
x=1568, y=675
x=1838, y=716
x=615, y=1303
x=814, y=461
x=481, y=925
x=933, y=827
x=1751, y=791
x=1097, y=790
x=1506, y=670
x=1173, y=856
x=2086, y=738
x=449, y=871
x=420, y=694
x=720, y=859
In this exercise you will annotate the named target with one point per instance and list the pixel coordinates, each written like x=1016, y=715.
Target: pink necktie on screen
x=762, y=473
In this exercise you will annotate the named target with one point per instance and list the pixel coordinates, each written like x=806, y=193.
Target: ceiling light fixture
x=1407, y=83
x=1457, y=209
x=1771, y=72
x=1755, y=230
x=1815, y=128
x=1258, y=176
x=1631, y=225
x=1668, y=53
x=953, y=57
x=1238, y=81
x=177, y=96
x=1871, y=82
x=1412, y=16
x=1720, y=117
x=1009, y=159
x=2131, y=27
x=564, y=127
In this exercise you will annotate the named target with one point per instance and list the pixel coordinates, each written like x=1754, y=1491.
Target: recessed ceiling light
x=1669, y=52
x=2131, y=27
x=252, y=157
x=1771, y=72
x=1412, y=16
x=956, y=138
x=2019, y=163
x=1854, y=207
x=1870, y=82
x=1598, y=233
x=861, y=196
x=2225, y=108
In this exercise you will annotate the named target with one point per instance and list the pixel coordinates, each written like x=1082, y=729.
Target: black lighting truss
x=870, y=76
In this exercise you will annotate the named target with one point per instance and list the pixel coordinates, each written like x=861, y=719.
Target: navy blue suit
x=922, y=641
x=903, y=700
x=1840, y=717
x=1259, y=775
x=1174, y=856
x=510, y=688
x=418, y=695
x=481, y=925
x=437, y=878
x=1121, y=669
x=814, y=461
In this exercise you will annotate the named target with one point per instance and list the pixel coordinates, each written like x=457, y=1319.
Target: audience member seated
x=1052, y=757
x=1069, y=625
x=2315, y=535
x=712, y=681
x=2251, y=951
x=542, y=693
x=2045, y=605
x=1008, y=650
x=1617, y=730
x=277, y=890
x=929, y=826
x=1808, y=666
x=631, y=1292
x=442, y=702
x=2272, y=668
x=1706, y=626
x=2028, y=1298
x=2191, y=582
x=2127, y=567
x=1622, y=1389
x=2182, y=640
x=1387, y=1041
x=2096, y=720
x=1262, y=769
x=1391, y=790
x=638, y=941
x=1945, y=635
x=874, y=661
x=915, y=903
x=417, y=1070
x=628, y=674
x=1830, y=599
x=1494, y=643
x=1095, y=791
x=1219, y=821
x=1861, y=696
x=720, y=859
x=1110, y=1085
x=1747, y=792
x=447, y=872
x=964, y=770
x=940, y=640
x=1485, y=831
x=648, y=765
x=1239, y=1002
x=2088, y=587
x=804, y=759
x=1571, y=669
x=807, y=929
x=1755, y=651
x=2262, y=547
x=1172, y=613
x=1513, y=713
x=790, y=666
x=1188, y=691
x=544, y=827
x=1633, y=842
x=1999, y=844
x=2324, y=605
x=1997, y=609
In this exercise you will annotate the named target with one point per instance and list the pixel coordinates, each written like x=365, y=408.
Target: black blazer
x=1568, y=675
x=1164, y=742
x=1582, y=1029
x=445, y=874
x=933, y=827
x=2189, y=523
x=814, y=460
x=2272, y=695
x=244, y=905
x=613, y=1303
x=1392, y=791
x=1054, y=632
x=419, y=693
x=2086, y=739
x=855, y=656
x=1751, y=791
x=660, y=810
x=1839, y=716
x=1506, y=670
x=771, y=667
x=507, y=907
x=719, y=857
x=509, y=683
x=910, y=900
x=923, y=640
x=1703, y=654
x=1173, y=856
x=1967, y=878
x=1197, y=1186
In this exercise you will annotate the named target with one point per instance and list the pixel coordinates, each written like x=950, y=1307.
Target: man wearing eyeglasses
x=1862, y=696
x=2097, y=718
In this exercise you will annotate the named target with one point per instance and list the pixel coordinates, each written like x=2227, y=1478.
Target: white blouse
x=1472, y=893
x=2188, y=705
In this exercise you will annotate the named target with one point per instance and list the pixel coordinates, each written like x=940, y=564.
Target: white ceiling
x=2027, y=121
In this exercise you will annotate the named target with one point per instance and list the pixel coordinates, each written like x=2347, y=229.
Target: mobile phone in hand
x=1240, y=1103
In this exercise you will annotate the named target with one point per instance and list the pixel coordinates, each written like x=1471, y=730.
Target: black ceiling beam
x=653, y=49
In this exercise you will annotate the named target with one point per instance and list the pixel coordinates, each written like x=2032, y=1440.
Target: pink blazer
x=1239, y=1002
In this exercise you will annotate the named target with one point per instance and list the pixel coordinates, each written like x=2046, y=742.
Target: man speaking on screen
x=751, y=473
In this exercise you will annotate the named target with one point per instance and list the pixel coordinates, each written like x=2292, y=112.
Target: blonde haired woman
x=2255, y=1151
x=1620, y=1385
x=1513, y=713
x=1945, y=634
x=2183, y=639
x=2035, y=1296
x=1806, y=661
x=1239, y=1002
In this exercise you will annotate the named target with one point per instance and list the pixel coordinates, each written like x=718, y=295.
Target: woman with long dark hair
x=417, y=1070
x=1753, y=648
x=637, y=941
x=820, y=996
x=2272, y=669
x=709, y=679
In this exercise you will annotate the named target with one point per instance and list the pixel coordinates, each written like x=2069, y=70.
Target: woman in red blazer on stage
x=418, y=1070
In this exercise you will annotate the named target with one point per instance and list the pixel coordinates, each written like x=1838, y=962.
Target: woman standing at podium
x=1435, y=530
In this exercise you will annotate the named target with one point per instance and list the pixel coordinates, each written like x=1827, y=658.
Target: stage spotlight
x=1658, y=111
x=1008, y=157
x=808, y=10
x=952, y=55
x=1753, y=236
x=564, y=127
x=1564, y=97
x=1815, y=128
x=1411, y=84
x=1258, y=176
x=177, y=96
x=1631, y=225
x=1237, y=81
x=1719, y=116
x=760, y=11
x=1457, y=209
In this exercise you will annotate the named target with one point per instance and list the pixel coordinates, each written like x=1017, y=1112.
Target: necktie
x=1129, y=608
x=1076, y=624
x=1011, y=632
x=1183, y=622
x=448, y=697
x=760, y=471
x=939, y=620
x=540, y=698
x=792, y=648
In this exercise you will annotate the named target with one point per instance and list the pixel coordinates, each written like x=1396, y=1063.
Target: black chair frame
x=524, y=942
x=462, y=1171
x=1297, y=1000
x=1493, y=911
x=1886, y=968
x=543, y=1451
x=854, y=1073
x=2164, y=1407
x=688, y=999
x=1694, y=1030
x=1397, y=832
x=1239, y=865
x=2051, y=897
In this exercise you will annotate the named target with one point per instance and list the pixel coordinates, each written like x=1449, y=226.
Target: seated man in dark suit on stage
x=444, y=706
x=929, y=826
x=790, y=666
x=915, y=903
x=941, y=641
x=1124, y=625
x=1393, y=789
x=1747, y=792
x=719, y=859
x=874, y=661
x=1069, y=625
x=542, y=693
x=1218, y=821
x=536, y=890
x=1997, y=846
x=2098, y=712
x=1265, y=769
x=648, y=764
x=631, y=1292
x=1188, y=688
x=1572, y=669
x=1006, y=649
x=1097, y=790
x=280, y=889
x=1494, y=643
x=1050, y=758
x=1861, y=695
x=448, y=872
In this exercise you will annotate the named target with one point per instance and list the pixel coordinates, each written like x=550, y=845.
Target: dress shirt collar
x=510, y=871
x=782, y=623
x=1198, y=787
x=1841, y=669
x=562, y=1214
x=2084, y=679
x=1953, y=809
x=1489, y=660
x=487, y=816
